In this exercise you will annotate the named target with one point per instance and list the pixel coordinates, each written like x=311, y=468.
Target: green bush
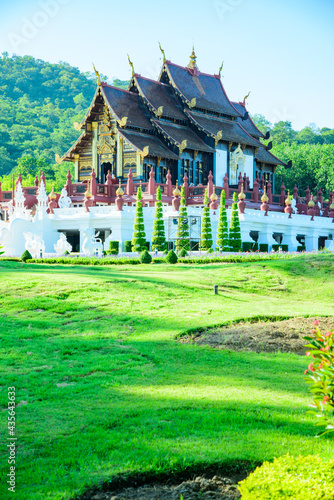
x=171, y=257
x=145, y=257
x=234, y=234
x=25, y=256
x=127, y=246
x=67, y=252
x=182, y=253
x=285, y=248
x=263, y=247
x=295, y=478
x=113, y=248
x=301, y=248
x=158, y=235
x=249, y=246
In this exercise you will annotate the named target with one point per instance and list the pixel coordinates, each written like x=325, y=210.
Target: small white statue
x=91, y=243
x=34, y=244
x=62, y=245
x=64, y=200
x=293, y=205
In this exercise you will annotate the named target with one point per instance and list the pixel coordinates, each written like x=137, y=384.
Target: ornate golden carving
x=158, y=160
x=182, y=146
x=195, y=153
x=122, y=122
x=98, y=76
x=256, y=150
x=58, y=159
x=89, y=126
x=221, y=68
x=246, y=97
x=218, y=136
x=163, y=53
x=230, y=144
x=243, y=147
x=144, y=153
x=105, y=145
x=159, y=112
x=131, y=65
x=95, y=125
x=192, y=103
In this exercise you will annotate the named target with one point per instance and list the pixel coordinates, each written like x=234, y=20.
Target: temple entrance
x=321, y=242
x=104, y=171
x=73, y=237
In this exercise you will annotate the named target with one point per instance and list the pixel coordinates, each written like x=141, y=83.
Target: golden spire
x=311, y=202
x=221, y=68
x=98, y=75
x=331, y=206
x=214, y=197
x=288, y=200
x=176, y=191
x=119, y=191
x=192, y=64
x=132, y=67
x=246, y=97
x=242, y=195
x=163, y=53
x=264, y=197
x=52, y=195
x=88, y=193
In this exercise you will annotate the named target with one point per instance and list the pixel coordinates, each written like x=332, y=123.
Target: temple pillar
x=266, y=235
x=76, y=168
x=311, y=241
x=95, y=126
x=290, y=239
x=119, y=157
x=139, y=172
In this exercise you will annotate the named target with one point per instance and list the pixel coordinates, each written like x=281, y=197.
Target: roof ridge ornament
x=98, y=76
x=246, y=97
x=192, y=103
x=131, y=65
x=163, y=53
x=221, y=68
x=192, y=63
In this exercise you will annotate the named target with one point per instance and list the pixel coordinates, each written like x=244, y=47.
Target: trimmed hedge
x=249, y=246
x=285, y=248
x=113, y=248
x=127, y=246
x=301, y=248
x=295, y=478
x=263, y=247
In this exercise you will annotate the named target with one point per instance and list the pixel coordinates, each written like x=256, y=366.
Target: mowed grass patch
x=103, y=388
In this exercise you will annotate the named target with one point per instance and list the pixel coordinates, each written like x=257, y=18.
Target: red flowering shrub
x=320, y=376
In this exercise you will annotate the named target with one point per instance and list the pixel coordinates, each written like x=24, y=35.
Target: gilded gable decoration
x=144, y=153
x=122, y=122
x=218, y=137
x=182, y=146
x=237, y=164
x=192, y=103
x=105, y=145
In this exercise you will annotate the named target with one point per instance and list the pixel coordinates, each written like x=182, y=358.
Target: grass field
x=103, y=388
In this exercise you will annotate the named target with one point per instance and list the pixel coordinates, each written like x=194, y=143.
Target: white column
x=290, y=239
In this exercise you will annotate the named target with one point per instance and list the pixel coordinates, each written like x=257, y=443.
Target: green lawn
x=133, y=399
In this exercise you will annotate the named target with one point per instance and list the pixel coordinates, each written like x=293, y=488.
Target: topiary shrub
x=25, y=256
x=263, y=247
x=249, y=246
x=158, y=235
x=222, y=230
x=67, y=252
x=138, y=238
x=113, y=248
x=301, y=248
x=285, y=248
x=206, y=231
x=294, y=478
x=145, y=257
x=171, y=257
x=234, y=234
x=182, y=253
x=128, y=246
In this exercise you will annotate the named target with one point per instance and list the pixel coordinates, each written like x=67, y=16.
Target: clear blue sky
x=280, y=50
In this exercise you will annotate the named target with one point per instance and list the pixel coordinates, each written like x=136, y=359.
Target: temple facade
x=184, y=122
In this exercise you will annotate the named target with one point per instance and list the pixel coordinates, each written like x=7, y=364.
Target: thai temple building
x=179, y=130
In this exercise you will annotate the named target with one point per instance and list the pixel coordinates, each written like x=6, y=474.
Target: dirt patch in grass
x=260, y=336
x=207, y=486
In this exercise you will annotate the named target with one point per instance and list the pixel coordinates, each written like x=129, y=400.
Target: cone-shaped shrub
x=222, y=231
x=171, y=257
x=235, y=234
x=182, y=253
x=158, y=238
x=138, y=241
x=26, y=255
x=206, y=232
x=183, y=226
x=145, y=257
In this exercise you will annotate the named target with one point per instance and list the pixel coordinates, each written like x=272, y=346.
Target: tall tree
x=222, y=230
x=138, y=238
x=206, y=231
x=158, y=237
x=235, y=233
x=183, y=225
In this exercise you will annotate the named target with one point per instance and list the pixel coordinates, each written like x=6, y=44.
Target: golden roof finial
x=214, y=197
x=132, y=67
x=119, y=191
x=192, y=64
x=176, y=191
x=163, y=53
x=98, y=75
x=288, y=200
x=264, y=197
x=311, y=202
x=88, y=193
x=221, y=68
x=242, y=195
x=52, y=194
x=246, y=97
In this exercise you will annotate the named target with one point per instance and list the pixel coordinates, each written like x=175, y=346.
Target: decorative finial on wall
x=163, y=53
x=131, y=65
x=98, y=75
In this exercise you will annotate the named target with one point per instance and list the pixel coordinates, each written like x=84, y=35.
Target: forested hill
x=39, y=102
